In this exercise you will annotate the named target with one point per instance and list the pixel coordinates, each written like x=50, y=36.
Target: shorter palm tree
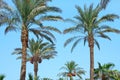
x=115, y=74
x=72, y=70
x=2, y=77
x=38, y=50
x=103, y=72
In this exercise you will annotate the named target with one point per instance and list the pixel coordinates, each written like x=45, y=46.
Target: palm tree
x=29, y=14
x=72, y=70
x=115, y=74
x=103, y=72
x=39, y=50
x=2, y=77
x=89, y=25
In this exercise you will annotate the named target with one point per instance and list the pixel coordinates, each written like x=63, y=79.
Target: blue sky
x=109, y=52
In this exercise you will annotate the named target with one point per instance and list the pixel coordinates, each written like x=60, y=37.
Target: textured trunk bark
x=35, y=69
x=71, y=78
x=103, y=77
x=36, y=59
x=91, y=46
x=24, y=40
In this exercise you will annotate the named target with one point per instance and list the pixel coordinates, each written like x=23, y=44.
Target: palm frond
x=108, y=17
x=35, y=32
x=109, y=29
x=43, y=45
x=43, y=34
x=48, y=33
x=17, y=51
x=50, y=18
x=75, y=44
x=10, y=28
x=96, y=42
x=70, y=40
x=36, y=11
x=19, y=57
x=104, y=36
x=52, y=29
x=81, y=12
x=70, y=20
x=42, y=10
x=85, y=40
x=54, y=9
x=48, y=56
x=46, y=37
x=104, y=3
x=70, y=30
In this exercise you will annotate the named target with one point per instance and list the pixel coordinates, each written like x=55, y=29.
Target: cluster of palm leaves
x=2, y=77
x=72, y=70
x=106, y=72
x=29, y=15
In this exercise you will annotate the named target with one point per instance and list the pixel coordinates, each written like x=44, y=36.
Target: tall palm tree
x=39, y=50
x=103, y=72
x=30, y=14
x=2, y=77
x=72, y=70
x=89, y=25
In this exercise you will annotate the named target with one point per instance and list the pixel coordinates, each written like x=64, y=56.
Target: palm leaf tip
x=104, y=3
x=52, y=18
x=10, y=28
x=96, y=42
x=55, y=9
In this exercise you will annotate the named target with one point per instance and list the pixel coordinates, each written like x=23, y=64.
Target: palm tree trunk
x=71, y=78
x=103, y=77
x=91, y=46
x=24, y=40
x=35, y=69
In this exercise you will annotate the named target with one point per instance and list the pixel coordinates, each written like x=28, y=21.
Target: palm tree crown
x=103, y=72
x=88, y=22
x=32, y=15
x=72, y=70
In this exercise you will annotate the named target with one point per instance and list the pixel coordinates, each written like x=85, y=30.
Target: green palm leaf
x=2, y=77
x=75, y=43
x=50, y=18
x=70, y=40
x=96, y=42
x=71, y=68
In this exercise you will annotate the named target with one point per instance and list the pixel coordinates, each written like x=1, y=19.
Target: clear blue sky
x=109, y=52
